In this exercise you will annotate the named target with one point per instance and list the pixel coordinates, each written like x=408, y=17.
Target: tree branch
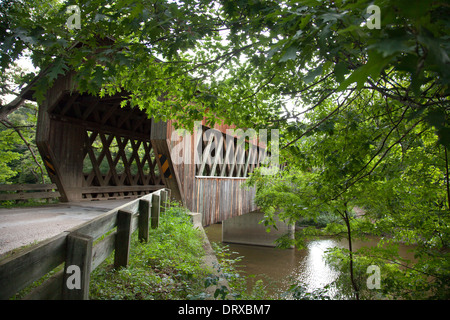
x=347, y=186
x=10, y=125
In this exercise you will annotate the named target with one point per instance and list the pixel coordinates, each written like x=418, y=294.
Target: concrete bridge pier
x=246, y=229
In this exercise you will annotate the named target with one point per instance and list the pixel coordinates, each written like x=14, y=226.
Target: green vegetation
x=169, y=266
x=363, y=113
x=19, y=158
x=298, y=196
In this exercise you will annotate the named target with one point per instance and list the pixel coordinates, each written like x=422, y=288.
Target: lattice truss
x=118, y=158
x=105, y=114
x=114, y=160
x=222, y=155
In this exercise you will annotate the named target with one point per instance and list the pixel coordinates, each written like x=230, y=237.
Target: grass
x=168, y=267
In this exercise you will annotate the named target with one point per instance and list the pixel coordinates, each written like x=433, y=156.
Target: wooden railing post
x=75, y=249
x=144, y=220
x=20, y=191
x=155, y=211
x=123, y=239
x=77, y=268
x=169, y=194
x=163, y=195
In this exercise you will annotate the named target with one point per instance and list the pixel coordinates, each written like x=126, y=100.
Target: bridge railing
x=224, y=155
x=28, y=191
x=78, y=251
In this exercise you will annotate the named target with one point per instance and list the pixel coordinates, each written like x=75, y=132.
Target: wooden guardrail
x=76, y=249
x=28, y=191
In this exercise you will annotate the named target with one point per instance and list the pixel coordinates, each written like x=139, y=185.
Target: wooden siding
x=217, y=198
x=222, y=198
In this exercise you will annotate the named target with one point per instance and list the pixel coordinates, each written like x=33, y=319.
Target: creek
x=280, y=268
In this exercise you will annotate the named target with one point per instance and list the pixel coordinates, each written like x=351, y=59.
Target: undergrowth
x=168, y=267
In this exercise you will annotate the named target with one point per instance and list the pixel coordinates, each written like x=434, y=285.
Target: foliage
x=240, y=61
x=299, y=292
x=7, y=155
x=18, y=148
x=413, y=214
x=362, y=113
x=400, y=278
x=18, y=160
x=169, y=266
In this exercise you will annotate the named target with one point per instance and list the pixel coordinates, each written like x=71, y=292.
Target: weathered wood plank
x=29, y=195
x=144, y=220
x=155, y=211
x=66, y=141
x=78, y=259
x=92, y=125
x=220, y=198
x=19, y=187
x=99, y=225
x=163, y=200
x=63, y=85
x=160, y=146
x=134, y=223
x=50, y=289
x=103, y=249
x=123, y=239
x=20, y=270
x=120, y=189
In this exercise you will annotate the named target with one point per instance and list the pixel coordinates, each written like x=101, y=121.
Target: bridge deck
x=23, y=226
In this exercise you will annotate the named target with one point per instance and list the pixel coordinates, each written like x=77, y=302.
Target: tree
x=20, y=162
x=404, y=198
x=19, y=132
x=242, y=61
x=268, y=51
x=353, y=103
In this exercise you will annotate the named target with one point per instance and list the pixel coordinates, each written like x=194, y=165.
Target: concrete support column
x=246, y=229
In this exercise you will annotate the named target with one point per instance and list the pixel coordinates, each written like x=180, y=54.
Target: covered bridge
x=94, y=149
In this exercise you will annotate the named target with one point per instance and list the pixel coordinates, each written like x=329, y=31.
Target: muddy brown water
x=280, y=268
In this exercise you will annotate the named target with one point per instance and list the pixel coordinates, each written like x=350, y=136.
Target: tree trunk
x=448, y=184
x=349, y=234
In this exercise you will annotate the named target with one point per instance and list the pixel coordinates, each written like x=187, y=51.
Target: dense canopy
x=363, y=111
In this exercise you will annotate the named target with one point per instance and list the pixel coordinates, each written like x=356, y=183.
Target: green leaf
x=98, y=76
x=444, y=136
x=376, y=63
x=290, y=54
x=408, y=63
x=313, y=74
x=436, y=53
x=340, y=70
x=59, y=67
x=391, y=46
x=436, y=118
x=332, y=16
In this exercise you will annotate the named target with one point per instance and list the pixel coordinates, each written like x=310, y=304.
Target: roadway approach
x=27, y=225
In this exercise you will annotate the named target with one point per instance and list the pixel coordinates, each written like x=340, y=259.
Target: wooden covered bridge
x=94, y=149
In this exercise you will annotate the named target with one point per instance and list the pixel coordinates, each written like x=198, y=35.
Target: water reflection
x=283, y=267
x=312, y=270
